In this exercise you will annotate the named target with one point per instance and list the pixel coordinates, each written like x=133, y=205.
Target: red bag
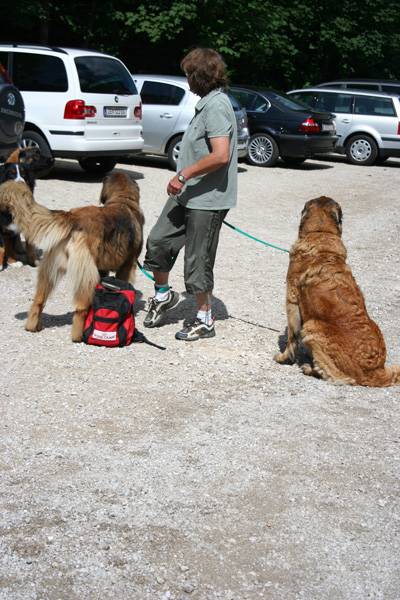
x=110, y=320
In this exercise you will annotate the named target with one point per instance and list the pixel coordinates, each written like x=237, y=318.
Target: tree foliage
x=279, y=43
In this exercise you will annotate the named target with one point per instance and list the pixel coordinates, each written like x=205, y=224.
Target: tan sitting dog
x=326, y=309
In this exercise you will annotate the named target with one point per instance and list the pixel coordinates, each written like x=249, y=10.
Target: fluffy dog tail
x=42, y=227
x=383, y=377
x=393, y=374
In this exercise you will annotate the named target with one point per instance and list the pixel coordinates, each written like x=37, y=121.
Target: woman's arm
x=218, y=157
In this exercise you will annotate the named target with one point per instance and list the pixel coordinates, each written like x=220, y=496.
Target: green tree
x=279, y=43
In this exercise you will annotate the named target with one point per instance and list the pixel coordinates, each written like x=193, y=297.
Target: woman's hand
x=174, y=187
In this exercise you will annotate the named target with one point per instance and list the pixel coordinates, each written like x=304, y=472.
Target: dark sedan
x=281, y=127
x=12, y=115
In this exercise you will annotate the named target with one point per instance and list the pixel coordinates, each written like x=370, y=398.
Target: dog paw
x=283, y=359
x=280, y=357
x=307, y=369
x=16, y=265
x=76, y=338
x=33, y=327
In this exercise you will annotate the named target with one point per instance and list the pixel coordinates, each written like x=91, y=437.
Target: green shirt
x=214, y=117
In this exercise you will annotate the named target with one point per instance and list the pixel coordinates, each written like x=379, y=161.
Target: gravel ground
x=206, y=471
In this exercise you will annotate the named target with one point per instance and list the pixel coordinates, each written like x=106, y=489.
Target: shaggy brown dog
x=80, y=242
x=326, y=309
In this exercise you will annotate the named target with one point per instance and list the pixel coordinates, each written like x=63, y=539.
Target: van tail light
x=137, y=113
x=398, y=128
x=77, y=109
x=310, y=126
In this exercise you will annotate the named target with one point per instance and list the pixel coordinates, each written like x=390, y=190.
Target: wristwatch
x=181, y=178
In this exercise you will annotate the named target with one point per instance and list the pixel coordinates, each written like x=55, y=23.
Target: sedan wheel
x=174, y=149
x=262, y=150
x=362, y=150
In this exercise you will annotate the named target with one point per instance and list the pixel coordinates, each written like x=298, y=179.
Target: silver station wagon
x=367, y=123
x=168, y=107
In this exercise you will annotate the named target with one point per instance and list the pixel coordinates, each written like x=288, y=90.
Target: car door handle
x=166, y=116
x=345, y=120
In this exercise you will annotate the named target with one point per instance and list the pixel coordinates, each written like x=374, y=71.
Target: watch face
x=181, y=178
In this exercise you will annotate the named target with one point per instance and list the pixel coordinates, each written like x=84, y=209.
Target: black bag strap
x=140, y=338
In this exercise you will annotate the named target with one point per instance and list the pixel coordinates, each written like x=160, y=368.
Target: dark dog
x=80, y=242
x=18, y=167
x=325, y=307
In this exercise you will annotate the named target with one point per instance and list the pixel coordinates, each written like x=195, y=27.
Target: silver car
x=167, y=109
x=367, y=123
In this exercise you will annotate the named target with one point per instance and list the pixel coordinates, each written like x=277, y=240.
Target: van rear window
x=103, y=75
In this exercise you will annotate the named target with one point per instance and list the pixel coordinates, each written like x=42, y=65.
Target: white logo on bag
x=108, y=336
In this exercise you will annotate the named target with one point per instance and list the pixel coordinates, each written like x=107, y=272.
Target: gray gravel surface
x=206, y=471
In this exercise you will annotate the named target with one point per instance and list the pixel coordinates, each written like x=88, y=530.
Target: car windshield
x=283, y=101
x=102, y=75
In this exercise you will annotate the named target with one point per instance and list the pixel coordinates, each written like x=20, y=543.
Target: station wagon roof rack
x=361, y=80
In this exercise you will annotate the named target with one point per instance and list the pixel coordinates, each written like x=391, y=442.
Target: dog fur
x=20, y=163
x=326, y=309
x=80, y=242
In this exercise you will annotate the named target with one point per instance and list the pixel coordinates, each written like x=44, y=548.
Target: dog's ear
x=337, y=214
x=304, y=212
x=13, y=156
x=104, y=190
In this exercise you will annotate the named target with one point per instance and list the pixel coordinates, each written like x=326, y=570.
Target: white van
x=78, y=103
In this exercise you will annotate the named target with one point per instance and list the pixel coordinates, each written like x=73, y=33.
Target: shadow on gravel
x=306, y=166
x=253, y=323
x=158, y=162
x=340, y=159
x=50, y=320
x=66, y=319
x=71, y=171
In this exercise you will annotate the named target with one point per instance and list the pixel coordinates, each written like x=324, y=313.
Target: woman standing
x=200, y=195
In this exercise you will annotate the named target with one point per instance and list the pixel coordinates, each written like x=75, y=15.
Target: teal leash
x=251, y=237
x=254, y=238
x=146, y=273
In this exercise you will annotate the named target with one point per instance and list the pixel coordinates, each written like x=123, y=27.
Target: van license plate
x=327, y=127
x=115, y=111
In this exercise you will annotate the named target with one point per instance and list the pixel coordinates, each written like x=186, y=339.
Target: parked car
x=12, y=115
x=79, y=104
x=168, y=107
x=281, y=127
x=391, y=86
x=367, y=123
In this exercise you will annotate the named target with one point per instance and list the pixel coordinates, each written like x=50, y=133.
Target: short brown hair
x=205, y=70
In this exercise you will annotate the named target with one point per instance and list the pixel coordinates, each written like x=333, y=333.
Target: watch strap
x=181, y=177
